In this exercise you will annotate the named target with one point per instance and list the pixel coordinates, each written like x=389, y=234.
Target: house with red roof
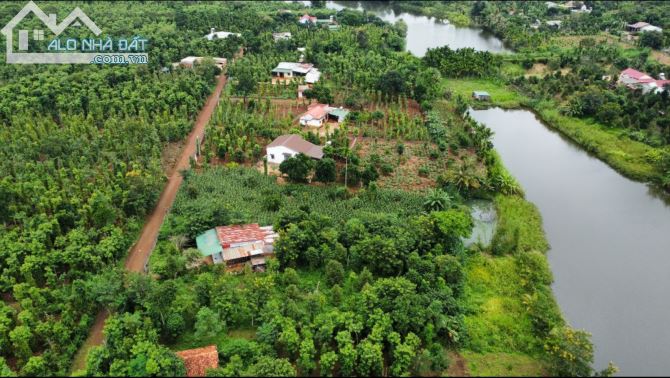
x=198, y=361
x=236, y=245
x=306, y=18
x=315, y=115
x=635, y=79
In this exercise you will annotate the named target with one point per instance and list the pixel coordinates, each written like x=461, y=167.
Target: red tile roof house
x=307, y=18
x=236, y=245
x=315, y=115
x=197, y=361
x=635, y=79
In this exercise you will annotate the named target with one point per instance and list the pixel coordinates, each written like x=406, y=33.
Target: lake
x=609, y=237
x=427, y=32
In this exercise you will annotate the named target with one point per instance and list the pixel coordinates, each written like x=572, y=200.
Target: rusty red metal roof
x=245, y=233
x=197, y=361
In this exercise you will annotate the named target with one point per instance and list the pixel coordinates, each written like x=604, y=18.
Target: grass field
x=501, y=95
x=503, y=364
x=501, y=338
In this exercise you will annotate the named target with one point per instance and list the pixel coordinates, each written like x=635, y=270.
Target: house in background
x=198, y=361
x=635, y=79
x=287, y=70
x=307, y=19
x=481, y=96
x=237, y=245
x=290, y=145
x=318, y=114
x=281, y=36
x=315, y=116
x=191, y=61
x=213, y=34
x=642, y=27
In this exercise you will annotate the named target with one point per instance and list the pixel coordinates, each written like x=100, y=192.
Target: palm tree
x=437, y=200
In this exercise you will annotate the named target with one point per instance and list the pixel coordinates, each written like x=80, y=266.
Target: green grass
x=501, y=95
x=503, y=364
x=501, y=338
x=496, y=319
x=520, y=219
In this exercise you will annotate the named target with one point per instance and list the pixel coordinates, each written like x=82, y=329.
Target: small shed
x=338, y=114
x=209, y=246
x=481, y=96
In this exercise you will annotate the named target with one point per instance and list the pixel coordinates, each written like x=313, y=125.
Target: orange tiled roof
x=197, y=361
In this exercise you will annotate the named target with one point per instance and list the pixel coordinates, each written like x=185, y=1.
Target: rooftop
x=637, y=75
x=317, y=111
x=295, y=67
x=197, y=361
x=639, y=25
x=296, y=143
x=246, y=233
x=208, y=243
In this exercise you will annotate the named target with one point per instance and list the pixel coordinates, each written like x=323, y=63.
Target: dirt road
x=141, y=250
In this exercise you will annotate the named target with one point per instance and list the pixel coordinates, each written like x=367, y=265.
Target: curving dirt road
x=141, y=250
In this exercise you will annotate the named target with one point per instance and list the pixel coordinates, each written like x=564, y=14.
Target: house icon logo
x=74, y=51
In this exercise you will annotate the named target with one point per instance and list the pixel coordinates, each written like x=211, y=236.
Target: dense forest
x=372, y=275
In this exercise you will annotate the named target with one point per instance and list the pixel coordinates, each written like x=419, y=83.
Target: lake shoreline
x=591, y=138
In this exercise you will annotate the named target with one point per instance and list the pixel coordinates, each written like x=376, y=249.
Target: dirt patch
x=661, y=57
x=283, y=107
x=414, y=170
x=457, y=367
x=170, y=156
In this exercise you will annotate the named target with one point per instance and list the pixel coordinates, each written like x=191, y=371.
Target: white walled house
x=213, y=34
x=287, y=146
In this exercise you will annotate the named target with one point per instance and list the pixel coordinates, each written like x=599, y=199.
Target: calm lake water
x=610, y=242
x=426, y=32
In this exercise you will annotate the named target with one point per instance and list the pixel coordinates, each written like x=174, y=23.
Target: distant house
x=237, y=244
x=197, y=361
x=337, y=114
x=635, y=79
x=481, y=96
x=191, y=61
x=315, y=115
x=287, y=146
x=307, y=19
x=213, y=34
x=641, y=27
x=281, y=36
x=293, y=69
